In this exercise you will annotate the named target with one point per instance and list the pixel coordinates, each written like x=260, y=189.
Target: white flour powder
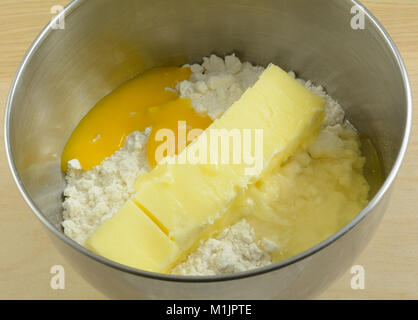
x=234, y=250
x=95, y=195
x=216, y=84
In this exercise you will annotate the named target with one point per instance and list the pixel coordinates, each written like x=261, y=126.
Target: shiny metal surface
x=107, y=42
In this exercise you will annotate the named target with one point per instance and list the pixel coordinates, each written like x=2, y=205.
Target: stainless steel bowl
x=107, y=42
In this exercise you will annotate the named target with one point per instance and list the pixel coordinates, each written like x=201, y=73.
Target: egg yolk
x=173, y=116
x=139, y=103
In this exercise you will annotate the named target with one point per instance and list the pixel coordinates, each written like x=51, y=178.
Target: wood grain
x=26, y=254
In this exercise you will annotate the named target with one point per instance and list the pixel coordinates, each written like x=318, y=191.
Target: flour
x=234, y=250
x=334, y=112
x=216, y=84
x=95, y=195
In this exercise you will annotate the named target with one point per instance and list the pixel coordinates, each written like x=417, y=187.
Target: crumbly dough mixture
x=95, y=195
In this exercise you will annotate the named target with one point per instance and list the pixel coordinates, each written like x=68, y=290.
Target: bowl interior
x=107, y=42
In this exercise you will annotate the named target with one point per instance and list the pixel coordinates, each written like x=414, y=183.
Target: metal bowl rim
x=74, y=5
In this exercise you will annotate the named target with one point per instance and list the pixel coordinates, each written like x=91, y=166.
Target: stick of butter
x=130, y=237
x=185, y=199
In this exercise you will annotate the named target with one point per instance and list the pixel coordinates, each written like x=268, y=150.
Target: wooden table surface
x=26, y=254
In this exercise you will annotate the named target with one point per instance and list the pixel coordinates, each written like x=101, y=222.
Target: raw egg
x=139, y=103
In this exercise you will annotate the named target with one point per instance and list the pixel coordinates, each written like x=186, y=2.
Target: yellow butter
x=185, y=200
x=188, y=198
x=131, y=238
